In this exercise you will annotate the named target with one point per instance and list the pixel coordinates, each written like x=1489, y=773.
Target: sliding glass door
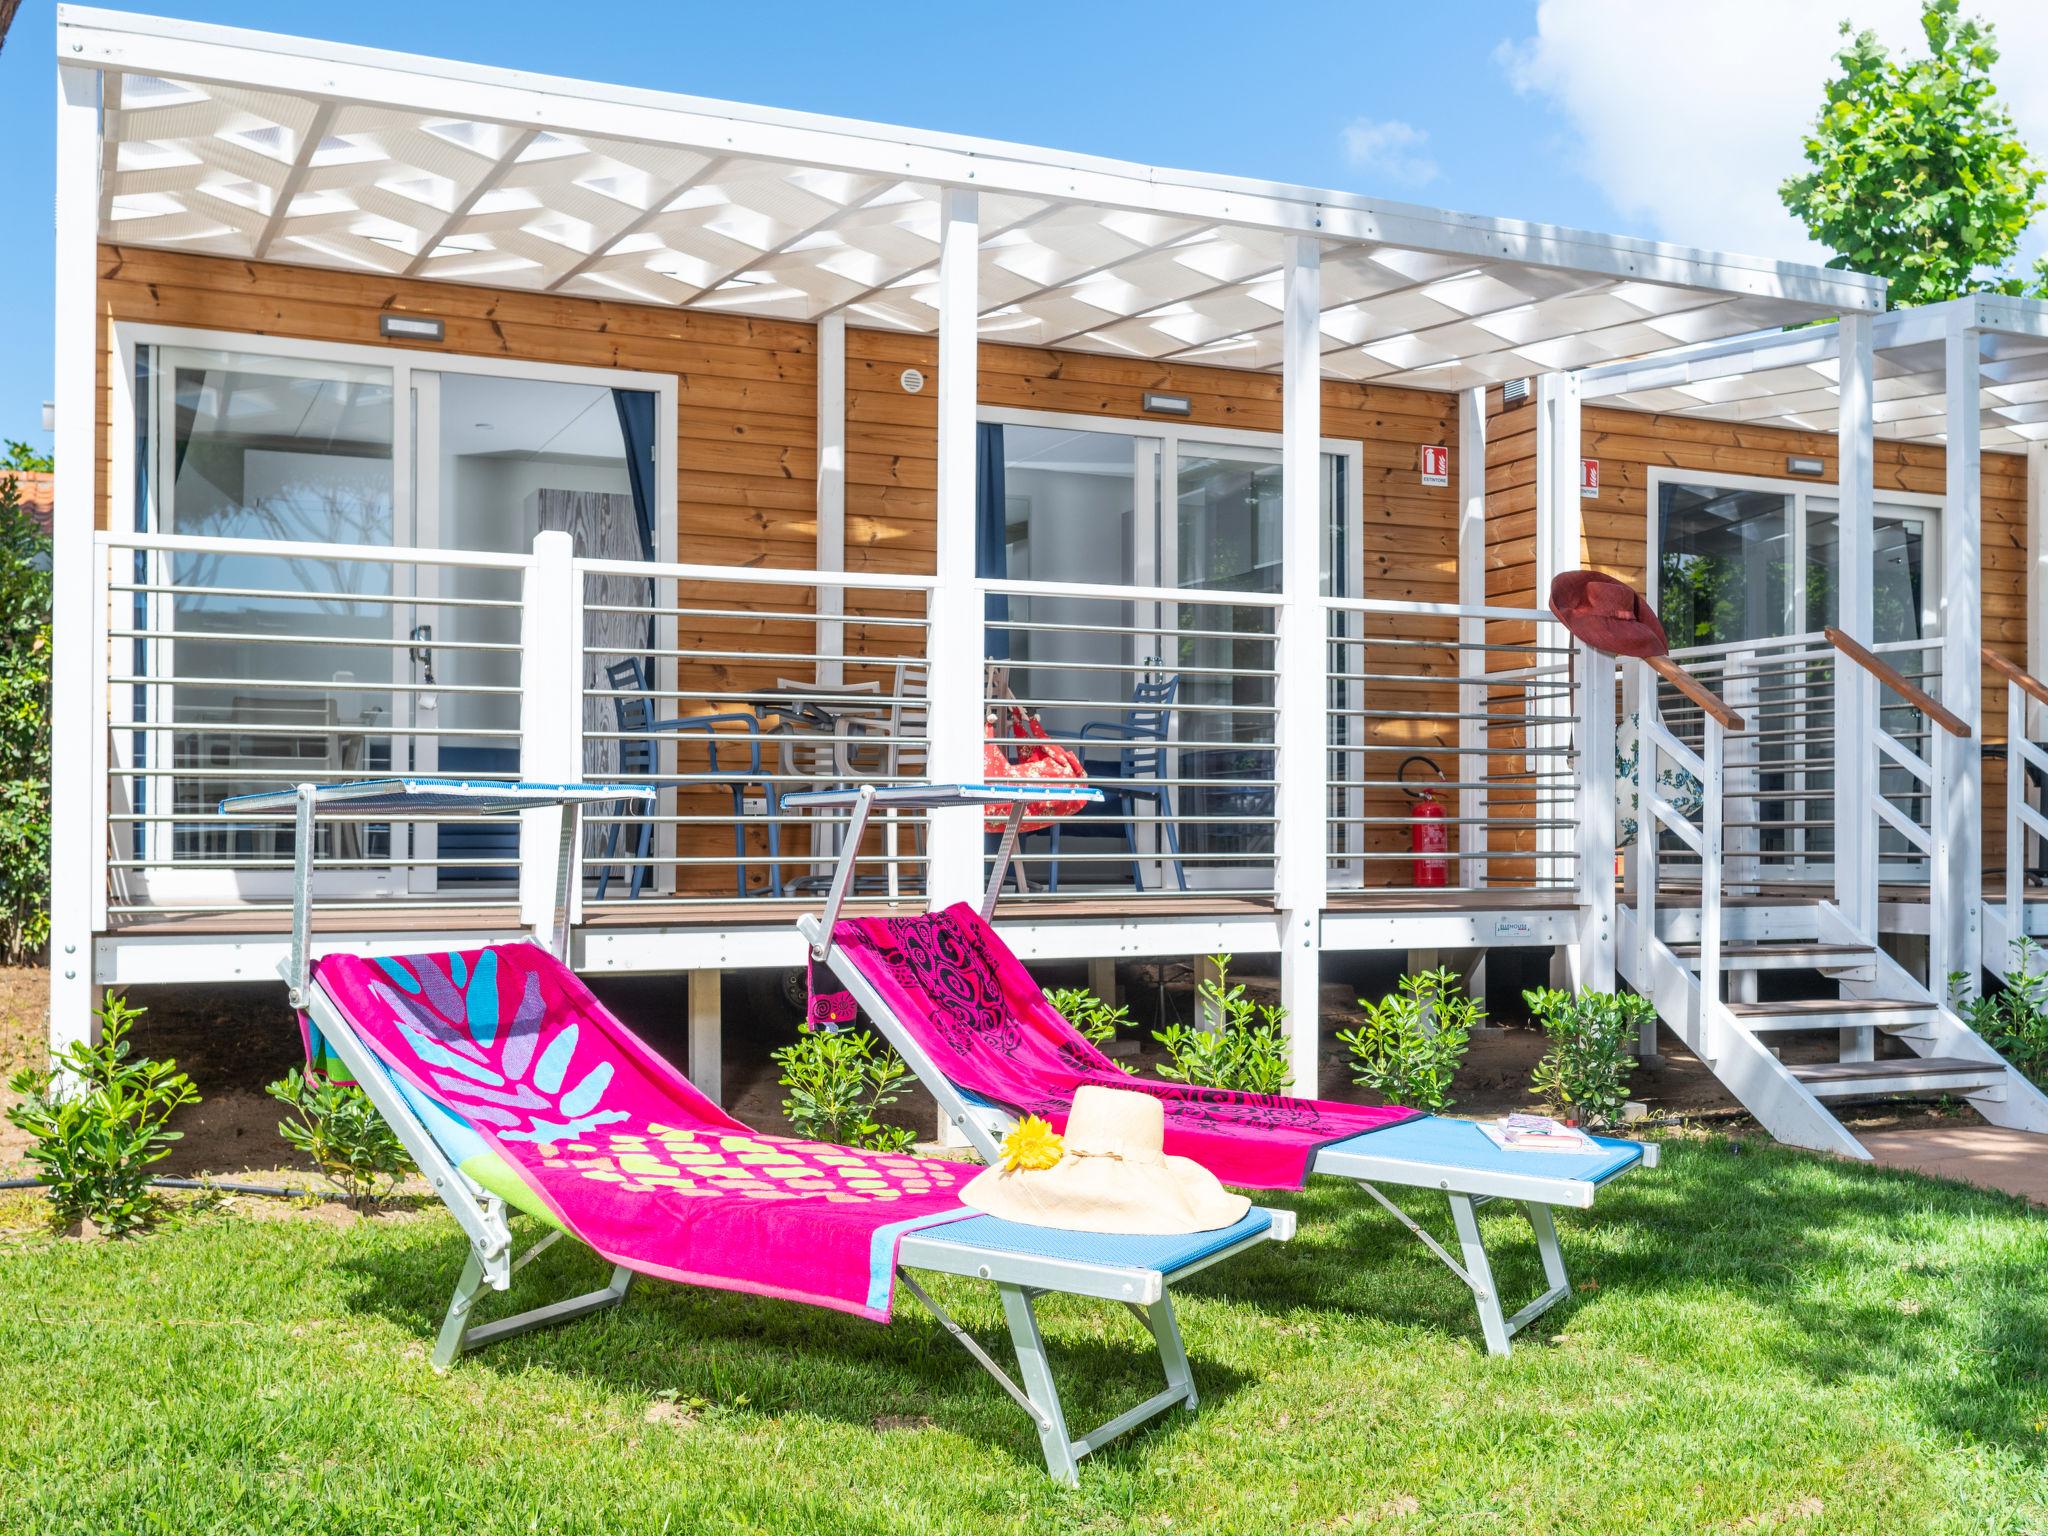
x=277, y=668
x=1155, y=508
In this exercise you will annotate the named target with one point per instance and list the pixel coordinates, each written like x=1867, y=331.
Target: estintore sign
x=1589, y=479
x=1436, y=466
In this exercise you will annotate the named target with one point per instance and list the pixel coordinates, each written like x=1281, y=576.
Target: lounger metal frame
x=1020, y=1278
x=984, y=1124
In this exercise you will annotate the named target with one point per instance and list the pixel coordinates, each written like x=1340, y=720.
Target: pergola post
x=831, y=496
x=1471, y=633
x=955, y=641
x=1560, y=524
x=77, y=709
x=2036, y=461
x=1302, y=731
x=1956, y=939
x=1855, y=689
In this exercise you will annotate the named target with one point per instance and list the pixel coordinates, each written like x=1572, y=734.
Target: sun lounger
x=516, y=1091
x=1033, y=1059
x=966, y=1017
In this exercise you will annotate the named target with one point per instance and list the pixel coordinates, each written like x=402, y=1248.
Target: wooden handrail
x=2025, y=681
x=1697, y=691
x=1895, y=680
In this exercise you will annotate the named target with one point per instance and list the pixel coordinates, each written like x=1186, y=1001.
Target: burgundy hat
x=1607, y=614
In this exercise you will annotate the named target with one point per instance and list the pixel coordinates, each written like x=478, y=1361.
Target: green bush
x=1592, y=1051
x=24, y=729
x=1247, y=1052
x=2014, y=1021
x=99, y=1125
x=1094, y=1019
x=339, y=1129
x=838, y=1082
x=1413, y=1039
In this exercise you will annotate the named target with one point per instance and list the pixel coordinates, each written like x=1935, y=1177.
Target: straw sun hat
x=1109, y=1173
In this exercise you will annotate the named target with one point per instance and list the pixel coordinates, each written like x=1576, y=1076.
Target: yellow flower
x=1034, y=1144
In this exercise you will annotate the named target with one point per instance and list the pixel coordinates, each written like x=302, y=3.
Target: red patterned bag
x=1039, y=760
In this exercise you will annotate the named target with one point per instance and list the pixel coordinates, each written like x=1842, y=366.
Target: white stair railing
x=1661, y=810
x=2022, y=820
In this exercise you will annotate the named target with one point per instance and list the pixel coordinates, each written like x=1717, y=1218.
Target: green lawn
x=1763, y=1342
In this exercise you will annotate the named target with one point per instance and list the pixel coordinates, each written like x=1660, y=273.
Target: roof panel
x=249, y=144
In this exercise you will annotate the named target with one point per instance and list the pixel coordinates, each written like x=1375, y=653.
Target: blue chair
x=1136, y=775
x=634, y=709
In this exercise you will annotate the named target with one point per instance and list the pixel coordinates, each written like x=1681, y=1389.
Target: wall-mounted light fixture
x=411, y=328
x=1168, y=405
x=1803, y=466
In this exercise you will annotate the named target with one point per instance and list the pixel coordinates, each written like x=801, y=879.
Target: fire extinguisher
x=1429, y=836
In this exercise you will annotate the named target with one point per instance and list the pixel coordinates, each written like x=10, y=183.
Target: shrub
x=837, y=1083
x=99, y=1124
x=337, y=1126
x=1413, y=1039
x=24, y=729
x=1094, y=1019
x=1246, y=1052
x=1592, y=1050
x=2014, y=1021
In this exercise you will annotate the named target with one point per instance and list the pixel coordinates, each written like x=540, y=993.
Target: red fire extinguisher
x=1429, y=836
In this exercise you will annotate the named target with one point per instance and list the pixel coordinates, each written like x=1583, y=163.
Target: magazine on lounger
x=1537, y=1133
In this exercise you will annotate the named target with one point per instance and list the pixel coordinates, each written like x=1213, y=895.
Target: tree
x=1918, y=173
x=19, y=456
x=24, y=728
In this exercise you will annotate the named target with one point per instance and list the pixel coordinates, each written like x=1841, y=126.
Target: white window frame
x=1929, y=507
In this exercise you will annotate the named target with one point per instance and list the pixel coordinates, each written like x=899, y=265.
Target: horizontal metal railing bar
x=1519, y=823
x=467, y=690
x=1178, y=708
x=1176, y=668
x=1449, y=679
x=465, y=902
x=1049, y=627
x=757, y=575
x=234, y=773
x=345, y=728
x=1555, y=855
x=882, y=663
x=1515, y=648
x=251, y=862
x=290, y=549
x=1099, y=592
x=1403, y=608
x=778, y=615
x=258, y=637
x=420, y=600
x=1497, y=721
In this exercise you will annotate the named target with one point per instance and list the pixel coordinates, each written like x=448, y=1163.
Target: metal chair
x=1144, y=732
x=634, y=708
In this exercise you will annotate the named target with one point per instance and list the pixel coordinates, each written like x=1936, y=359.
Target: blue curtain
x=991, y=540
x=636, y=426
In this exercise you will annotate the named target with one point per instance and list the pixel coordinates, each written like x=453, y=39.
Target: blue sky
x=1625, y=115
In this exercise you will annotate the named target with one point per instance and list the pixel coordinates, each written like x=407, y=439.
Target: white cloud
x=1688, y=117
x=1393, y=151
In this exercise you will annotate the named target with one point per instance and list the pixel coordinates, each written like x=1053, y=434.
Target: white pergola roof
x=257, y=146
x=1790, y=379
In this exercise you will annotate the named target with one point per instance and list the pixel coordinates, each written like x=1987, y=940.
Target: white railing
x=1169, y=698
x=728, y=689
x=236, y=665
x=1666, y=803
x=1476, y=708
x=2026, y=763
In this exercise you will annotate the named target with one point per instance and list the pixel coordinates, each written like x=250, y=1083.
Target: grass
x=1763, y=1341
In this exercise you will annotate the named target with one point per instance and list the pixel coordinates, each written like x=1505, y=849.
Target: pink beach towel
x=517, y=1061
x=976, y=1011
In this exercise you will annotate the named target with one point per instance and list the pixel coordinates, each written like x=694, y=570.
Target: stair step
x=1832, y=1013
x=1782, y=957
x=1913, y=1074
